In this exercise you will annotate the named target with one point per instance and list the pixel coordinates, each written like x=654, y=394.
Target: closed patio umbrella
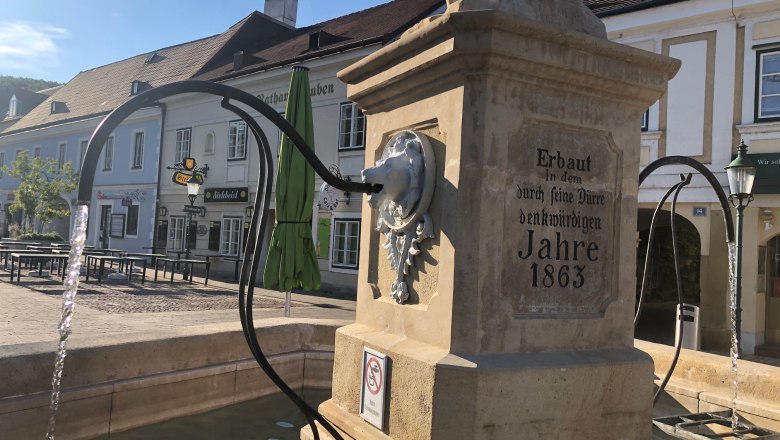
x=292, y=261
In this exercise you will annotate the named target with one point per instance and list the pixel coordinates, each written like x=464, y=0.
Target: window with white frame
x=236, y=140
x=183, y=143
x=645, y=119
x=82, y=151
x=346, y=235
x=231, y=236
x=352, y=127
x=108, y=154
x=768, y=85
x=62, y=151
x=138, y=150
x=37, y=152
x=176, y=234
x=131, y=222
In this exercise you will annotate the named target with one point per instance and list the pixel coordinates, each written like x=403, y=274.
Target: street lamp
x=742, y=173
x=193, y=186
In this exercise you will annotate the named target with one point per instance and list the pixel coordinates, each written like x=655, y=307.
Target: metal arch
x=257, y=225
x=728, y=221
x=150, y=97
x=704, y=171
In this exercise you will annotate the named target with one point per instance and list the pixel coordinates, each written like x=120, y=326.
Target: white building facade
x=727, y=90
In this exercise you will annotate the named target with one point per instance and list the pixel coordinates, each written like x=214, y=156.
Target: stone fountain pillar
x=518, y=321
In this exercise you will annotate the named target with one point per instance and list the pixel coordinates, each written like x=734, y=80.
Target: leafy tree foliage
x=42, y=184
x=11, y=84
x=33, y=85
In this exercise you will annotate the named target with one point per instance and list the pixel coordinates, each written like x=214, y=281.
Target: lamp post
x=741, y=173
x=193, y=187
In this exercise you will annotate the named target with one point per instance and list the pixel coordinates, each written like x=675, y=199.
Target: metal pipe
x=257, y=228
x=149, y=97
x=650, y=237
x=738, y=276
x=728, y=222
x=156, y=215
x=707, y=174
x=678, y=280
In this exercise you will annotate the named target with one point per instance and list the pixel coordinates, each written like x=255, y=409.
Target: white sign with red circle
x=372, y=396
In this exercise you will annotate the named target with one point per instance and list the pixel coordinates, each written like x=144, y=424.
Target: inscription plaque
x=560, y=223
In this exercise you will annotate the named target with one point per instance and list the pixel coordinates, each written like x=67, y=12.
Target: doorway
x=772, y=269
x=659, y=308
x=103, y=236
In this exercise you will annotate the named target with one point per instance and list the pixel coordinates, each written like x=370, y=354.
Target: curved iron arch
x=704, y=171
x=257, y=225
x=728, y=222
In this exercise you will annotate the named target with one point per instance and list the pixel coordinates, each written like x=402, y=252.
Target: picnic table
x=175, y=262
x=125, y=264
x=19, y=244
x=236, y=260
x=152, y=256
x=41, y=248
x=39, y=258
x=5, y=254
x=99, y=261
x=128, y=263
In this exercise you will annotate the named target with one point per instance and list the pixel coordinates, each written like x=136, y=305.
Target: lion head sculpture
x=401, y=172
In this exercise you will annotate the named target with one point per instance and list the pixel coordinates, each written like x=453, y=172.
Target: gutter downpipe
x=163, y=112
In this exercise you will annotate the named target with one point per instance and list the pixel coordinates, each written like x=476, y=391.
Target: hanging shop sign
x=768, y=174
x=227, y=195
x=180, y=178
x=190, y=165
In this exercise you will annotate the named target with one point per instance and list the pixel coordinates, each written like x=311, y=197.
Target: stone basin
x=116, y=383
x=137, y=379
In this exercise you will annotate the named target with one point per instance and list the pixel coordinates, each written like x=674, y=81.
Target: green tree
x=42, y=183
x=31, y=84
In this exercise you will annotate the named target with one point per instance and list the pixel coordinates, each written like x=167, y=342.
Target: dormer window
x=58, y=107
x=138, y=86
x=153, y=58
x=320, y=39
x=14, y=107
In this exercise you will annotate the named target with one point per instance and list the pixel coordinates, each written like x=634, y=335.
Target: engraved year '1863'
x=568, y=207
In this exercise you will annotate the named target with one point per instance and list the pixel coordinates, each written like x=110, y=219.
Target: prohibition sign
x=373, y=375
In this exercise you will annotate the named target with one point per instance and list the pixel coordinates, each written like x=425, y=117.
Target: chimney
x=285, y=11
x=238, y=60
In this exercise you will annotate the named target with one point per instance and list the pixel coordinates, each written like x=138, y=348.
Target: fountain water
x=68, y=302
x=734, y=341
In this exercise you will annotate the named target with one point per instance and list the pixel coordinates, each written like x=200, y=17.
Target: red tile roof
x=265, y=42
x=361, y=28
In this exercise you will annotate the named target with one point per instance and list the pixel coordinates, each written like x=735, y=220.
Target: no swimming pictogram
x=373, y=376
x=373, y=387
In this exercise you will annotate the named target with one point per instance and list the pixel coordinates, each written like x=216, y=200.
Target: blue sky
x=56, y=39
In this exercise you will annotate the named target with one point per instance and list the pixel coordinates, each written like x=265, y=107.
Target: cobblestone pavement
x=30, y=312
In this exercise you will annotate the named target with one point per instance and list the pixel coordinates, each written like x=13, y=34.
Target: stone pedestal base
x=591, y=394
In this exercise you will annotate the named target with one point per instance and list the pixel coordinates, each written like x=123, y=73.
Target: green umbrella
x=292, y=261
